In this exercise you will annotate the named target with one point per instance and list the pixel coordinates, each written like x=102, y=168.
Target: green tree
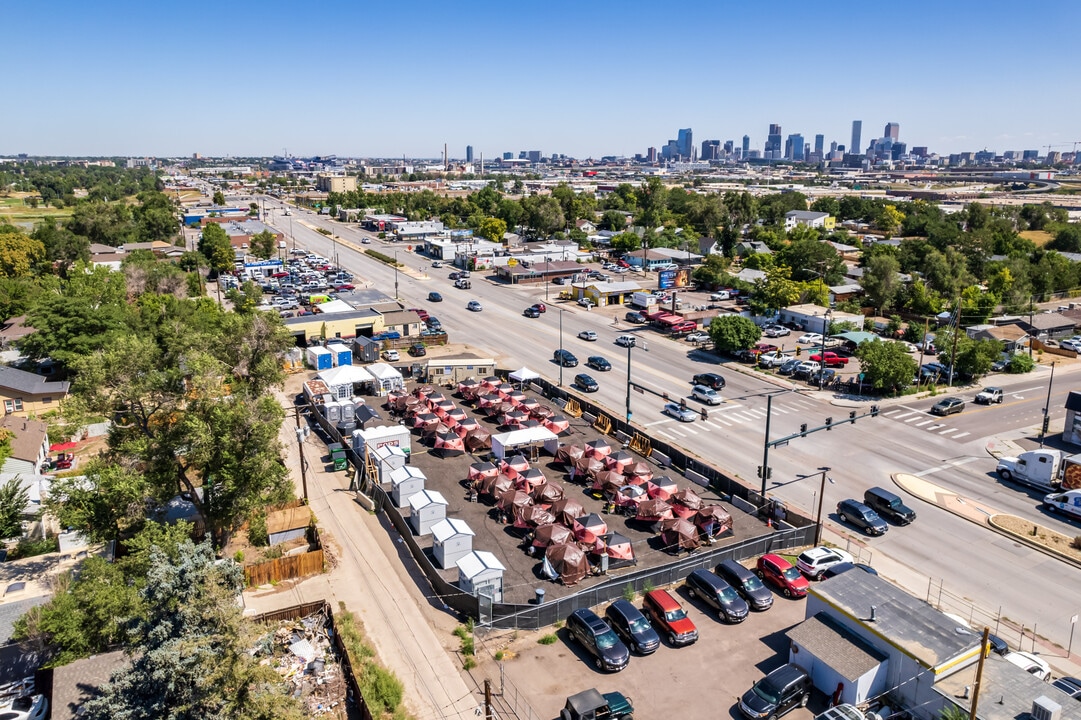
x=810, y=258
x=612, y=220
x=13, y=501
x=732, y=333
x=889, y=220
x=219, y=198
x=626, y=242
x=544, y=215
x=19, y=254
x=61, y=245
x=264, y=244
x=1020, y=364
x=977, y=356
x=492, y=229
x=777, y=290
x=652, y=201
x=885, y=365
x=881, y=282
x=977, y=305
x=103, y=503
x=214, y=245
x=191, y=658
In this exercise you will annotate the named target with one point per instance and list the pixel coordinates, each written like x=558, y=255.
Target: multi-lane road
x=970, y=560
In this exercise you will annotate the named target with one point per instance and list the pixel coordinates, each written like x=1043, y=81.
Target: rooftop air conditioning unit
x=1044, y=708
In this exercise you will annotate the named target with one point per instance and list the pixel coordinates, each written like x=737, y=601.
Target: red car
x=422, y=314
x=779, y=572
x=832, y=359
x=765, y=348
x=539, y=307
x=668, y=617
x=345, y=286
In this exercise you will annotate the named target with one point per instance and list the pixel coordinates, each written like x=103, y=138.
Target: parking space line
x=960, y=435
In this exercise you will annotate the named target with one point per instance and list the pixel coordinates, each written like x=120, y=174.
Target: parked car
x=823, y=377
x=680, y=412
x=593, y=705
x=746, y=583
x=806, y=369
x=777, y=571
x=789, y=366
x=586, y=383
x=856, y=513
x=635, y=317
x=598, y=639
x=1071, y=344
x=888, y=505
x=815, y=561
x=707, y=395
x=948, y=406
x=588, y=335
x=531, y=312
x=835, y=570
x=586, y=303
x=832, y=359
x=26, y=707
x=776, y=331
x=810, y=338
x=391, y=355
x=598, y=363
x=565, y=358
x=418, y=350
x=989, y=395
x=474, y=306
x=783, y=690
x=631, y=625
x=720, y=295
x=698, y=337
x=669, y=618
x=710, y=380
x=1030, y=663
x=626, y=341
x=1069, y=685
x=717, y=594
x=776, y=358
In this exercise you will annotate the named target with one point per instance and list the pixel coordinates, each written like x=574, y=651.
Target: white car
x=698, y=337
x=810, y=339
x=1030, y=663
x=27, y=707
x=680, y=412
x=587, y=335
x=720, y=295
x=391, y=355
x=586, y=302
x=437, y=263
x=774, y=331
x=1074, y=345
x=626, y=341
x=817, y=560
x=909, y=347
x=709, y=396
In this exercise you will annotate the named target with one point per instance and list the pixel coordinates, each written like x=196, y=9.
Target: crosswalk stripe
x=891, y=413
x=756, y=413
x=719, y=419
x=692, y=432
x=677, y=432
x=947, y=430
x=913, y=419
x=703, y=426
x=921, y=424
x=961, y=435
x=658, y=422
x=898, y=417
x=781, y=410
x=933, y=427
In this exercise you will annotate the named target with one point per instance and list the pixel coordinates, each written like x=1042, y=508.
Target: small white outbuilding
x=405, y=482
x=452, y=540
x=426, y=508
x=480, y=572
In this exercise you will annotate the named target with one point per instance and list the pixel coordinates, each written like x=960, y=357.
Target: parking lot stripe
x=947, y=430
x=959, y=435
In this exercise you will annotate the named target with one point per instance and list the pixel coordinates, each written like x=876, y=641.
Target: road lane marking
x=947, y=466
x=933, y=427
x=692, y=432
x=781, y=410
x=955, y=437
x=677, y=432
x=891, y=413
x=911, y=412
x=756, y=413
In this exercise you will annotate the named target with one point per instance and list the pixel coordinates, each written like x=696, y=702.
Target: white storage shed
x=369, y=439
x=405, y=482
x=388, y=458
x=479, y=573
x=452, y=540
x=426, y=508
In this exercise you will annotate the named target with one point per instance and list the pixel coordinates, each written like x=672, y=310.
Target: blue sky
x=586, y=78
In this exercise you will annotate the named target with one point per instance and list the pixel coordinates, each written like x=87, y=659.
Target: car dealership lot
x=700, y=680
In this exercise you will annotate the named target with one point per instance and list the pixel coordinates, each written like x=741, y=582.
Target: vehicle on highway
x=391, y=355
x=592, y=705
x=598, y=639
x=775, y=358
x=435, y=297
x=1042, y=469
x=669, y=618
x=989, y=395
x=366, y=241
x=598, y=363
x=707, y=395
x=474, y=306
x=587, y=335
x=1032, y=664
x=586, y=383
x=437, y=263
x=948, y=406
x=631, y=625
x=1068, y=503
x=812, y=563
x=540, y=307
x=626, y=341
x=710, y=380
x=717, y=594
x=463, y=284
x=635, y=317
x=679, y=412
x=835, y=570
x=859, y=515
x=810, y=338
x=778, y=693
x=888, y=505
x=746, y=583
x=779, y=572
x=586, y=303
x=698, y=337
x=565, y=358
x=789, y=366
x=775, y=331
x=832, y=359
x=531, y=312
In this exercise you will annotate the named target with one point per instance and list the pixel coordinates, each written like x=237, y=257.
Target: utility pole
x=300, y=447
x=821, y=501
x=956, y=332
x=764, y=471
x=487, y=699
x=1047, y=407
x=979, y=676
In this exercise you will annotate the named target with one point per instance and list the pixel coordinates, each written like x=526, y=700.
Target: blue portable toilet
x=342, y=355
x=320, y=358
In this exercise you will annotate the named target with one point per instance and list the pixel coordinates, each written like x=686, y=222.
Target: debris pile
x=302, y=652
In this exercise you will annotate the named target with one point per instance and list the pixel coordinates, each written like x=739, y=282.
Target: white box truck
x=643, y=300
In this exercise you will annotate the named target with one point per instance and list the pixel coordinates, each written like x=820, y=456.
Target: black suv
x=784, y=689
x=710, y=380
x=717, y=594
x=586, y=383
x=599, y=640
x=888, y=505
x=565, y=358
x=631, y=625
x=746, y=583
x=856, y=513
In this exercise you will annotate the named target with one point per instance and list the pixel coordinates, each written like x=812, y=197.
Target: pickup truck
x=462, y=284
x=592, y=705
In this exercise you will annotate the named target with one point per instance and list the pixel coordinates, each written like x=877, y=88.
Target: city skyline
x=124, y=78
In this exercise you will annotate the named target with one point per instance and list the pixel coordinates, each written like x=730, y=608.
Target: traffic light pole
x=764, y=470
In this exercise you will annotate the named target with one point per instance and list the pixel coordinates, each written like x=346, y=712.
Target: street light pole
x=765, y=447
x=395, y=274
x=821, y=499
x=561, y=347
x=822, y=355
x=628, y=384
x=1047, y=406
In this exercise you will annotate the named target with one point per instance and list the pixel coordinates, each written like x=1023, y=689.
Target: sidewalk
x=369, y=576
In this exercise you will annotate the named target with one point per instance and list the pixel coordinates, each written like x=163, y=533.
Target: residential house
x=847, y=252
x=812, y=318
x=25, y=392
x=751, y=247
x=585, y=226
x=842, y=293
x=811, y=219
x=648, y=260
x=678, y=256
x=29, y=445
x=1012, y=337
x=13, y=330
x=1046, y=325
x=69, y=686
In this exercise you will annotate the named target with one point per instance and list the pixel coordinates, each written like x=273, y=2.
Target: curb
x=1051, y=552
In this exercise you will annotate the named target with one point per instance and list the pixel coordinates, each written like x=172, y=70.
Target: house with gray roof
x=25, y=392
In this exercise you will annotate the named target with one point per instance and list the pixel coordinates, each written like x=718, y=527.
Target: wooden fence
x=284, y=568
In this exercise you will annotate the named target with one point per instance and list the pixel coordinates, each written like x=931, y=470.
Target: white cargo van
x=1068, y=503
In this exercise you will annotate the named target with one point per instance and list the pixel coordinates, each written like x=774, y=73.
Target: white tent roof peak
x=524, y=374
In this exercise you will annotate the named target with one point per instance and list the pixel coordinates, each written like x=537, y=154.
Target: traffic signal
x=852, y=417
x=1046, y=423
x=874, y=411
x=769, y=472
x=803, y=429
x=759, y=471
x=829, y=424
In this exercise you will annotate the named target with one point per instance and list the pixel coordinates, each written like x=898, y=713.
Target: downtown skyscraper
x=857, y=129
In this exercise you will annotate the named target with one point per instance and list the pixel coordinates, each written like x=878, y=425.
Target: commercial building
x=857, y=130
x=892, y=131
x=773, y=143
x=469, y=153
x=336, y=183
x=746, y=146
x=685, y=144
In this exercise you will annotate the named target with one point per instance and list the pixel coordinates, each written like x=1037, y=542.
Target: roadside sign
x=512, y=262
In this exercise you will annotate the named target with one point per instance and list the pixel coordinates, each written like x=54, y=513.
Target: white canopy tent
x=524, y=375
x=508, y=443
x=387, y=378
x=340, y=380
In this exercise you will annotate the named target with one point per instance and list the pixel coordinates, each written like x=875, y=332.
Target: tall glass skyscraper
x=857, y=128
x=685, y=143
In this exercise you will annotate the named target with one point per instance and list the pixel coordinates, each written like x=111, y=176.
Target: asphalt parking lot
x=697, y=681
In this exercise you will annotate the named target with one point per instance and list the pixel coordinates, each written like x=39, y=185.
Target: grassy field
x=1040, y=237
x=17, y=212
